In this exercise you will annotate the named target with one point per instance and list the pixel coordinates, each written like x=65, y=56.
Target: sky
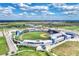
x=39, y=11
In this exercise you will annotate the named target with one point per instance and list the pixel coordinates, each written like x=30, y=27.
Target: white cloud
x=23, y=6
x=11, y=7
x=70, y=8
x=51, y=13
x=7, y=10
x=29, y=3
x=63, y=6
x=47, y=13
x=20, y=14
x=66, y=7
x=1, y=9
x=23, y=14
x=58, y=4
x=27, y=14
x=40, y=7
x=70, y=12
x=33, y=13
x=32, y=8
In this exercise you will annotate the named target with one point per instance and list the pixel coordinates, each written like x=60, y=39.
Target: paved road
x=11, y=45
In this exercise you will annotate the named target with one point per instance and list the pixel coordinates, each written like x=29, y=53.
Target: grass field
x=34, y=35
x=30, y=51
x=70, y=48
x=70, y=27
x=3, y=46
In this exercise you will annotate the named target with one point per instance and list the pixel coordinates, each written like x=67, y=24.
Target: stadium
x=41, y=37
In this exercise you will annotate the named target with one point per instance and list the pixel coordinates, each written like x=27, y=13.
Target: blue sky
x=39, y=11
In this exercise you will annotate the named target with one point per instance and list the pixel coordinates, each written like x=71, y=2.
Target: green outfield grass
x=3, y=46
x=70, y=48
x=34, y=35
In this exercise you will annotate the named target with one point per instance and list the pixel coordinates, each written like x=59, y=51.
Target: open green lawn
x=70, y=27
x=34, y=35
x=69, y=48
x=30, y=51
x=3, y=46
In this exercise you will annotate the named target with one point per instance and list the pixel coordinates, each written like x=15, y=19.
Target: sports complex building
x=47, y=37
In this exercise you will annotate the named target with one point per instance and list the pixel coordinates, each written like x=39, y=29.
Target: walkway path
x=11, y=45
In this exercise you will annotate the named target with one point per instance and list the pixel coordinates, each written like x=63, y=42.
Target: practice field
x=70, y=48
x=3, y=46
x=34, y=35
